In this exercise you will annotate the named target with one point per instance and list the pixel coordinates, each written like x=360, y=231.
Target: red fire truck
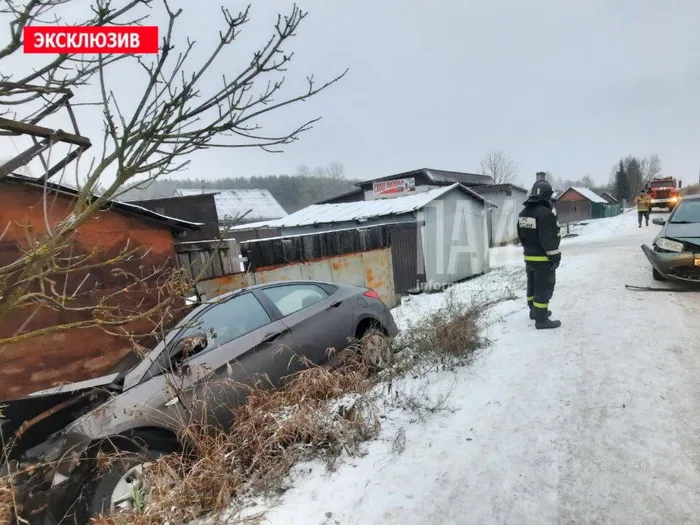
x=664, y=192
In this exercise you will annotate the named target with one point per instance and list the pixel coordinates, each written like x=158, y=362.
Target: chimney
x=541, y=175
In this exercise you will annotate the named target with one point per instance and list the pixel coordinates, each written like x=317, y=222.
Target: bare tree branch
x=171, y=111
x=500, y=167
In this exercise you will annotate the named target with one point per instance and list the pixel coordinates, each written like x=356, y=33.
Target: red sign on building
x=390, y=187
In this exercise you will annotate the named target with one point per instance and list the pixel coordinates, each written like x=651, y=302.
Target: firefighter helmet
x=542, y=189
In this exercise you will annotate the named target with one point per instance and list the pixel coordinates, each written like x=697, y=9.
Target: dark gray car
x=676, y=249
x=256, y=335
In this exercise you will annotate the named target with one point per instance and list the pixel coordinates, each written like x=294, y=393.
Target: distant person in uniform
x=643, y=202
x=539, y=234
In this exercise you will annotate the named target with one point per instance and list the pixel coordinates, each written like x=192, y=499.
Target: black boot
x=542, y=320
x=532, y=313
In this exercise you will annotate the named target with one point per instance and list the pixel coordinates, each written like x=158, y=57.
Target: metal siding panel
x=320, y=271
x=211, y=288
x=379, y=275
x=404, y=251
x=348, y=269
x=291, y=272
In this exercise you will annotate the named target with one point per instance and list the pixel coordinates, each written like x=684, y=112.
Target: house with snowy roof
x=577, y=203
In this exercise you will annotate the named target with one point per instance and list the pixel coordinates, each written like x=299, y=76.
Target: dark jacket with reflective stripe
x=538, y=231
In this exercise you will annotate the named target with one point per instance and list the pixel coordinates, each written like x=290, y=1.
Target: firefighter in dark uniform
x=539, y=235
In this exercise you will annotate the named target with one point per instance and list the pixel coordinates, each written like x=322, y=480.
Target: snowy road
x=597, y=422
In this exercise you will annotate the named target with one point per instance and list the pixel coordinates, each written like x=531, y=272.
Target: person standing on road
x=539, y=234
x=643, y=202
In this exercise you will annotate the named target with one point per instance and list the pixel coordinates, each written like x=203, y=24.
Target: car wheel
x=656, y=275
x=119, y=486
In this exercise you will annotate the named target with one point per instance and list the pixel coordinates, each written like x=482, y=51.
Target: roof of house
x=437, y=177
x=555, y=195
x=588, y=194
x=124, y=207
x=609, y=197
x=495, y=187
x=366, y=210
x=252, y=205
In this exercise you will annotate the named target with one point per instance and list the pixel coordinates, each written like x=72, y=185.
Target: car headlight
x=669, y=245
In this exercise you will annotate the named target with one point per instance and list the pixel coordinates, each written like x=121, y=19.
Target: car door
x=319, y=317
x=247, y=345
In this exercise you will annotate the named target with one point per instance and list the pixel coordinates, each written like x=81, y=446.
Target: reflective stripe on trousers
x=536, y=258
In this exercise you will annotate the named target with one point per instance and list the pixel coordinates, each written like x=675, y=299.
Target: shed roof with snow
x=366, y=210
x=248, y=205
x=586, y=193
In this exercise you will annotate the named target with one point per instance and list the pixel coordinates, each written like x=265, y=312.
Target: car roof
x=262, y=286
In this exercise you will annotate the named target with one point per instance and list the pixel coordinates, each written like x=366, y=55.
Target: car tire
x=96, y=495
x=656, y=275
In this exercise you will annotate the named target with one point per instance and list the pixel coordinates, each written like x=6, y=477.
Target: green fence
x=602, y=211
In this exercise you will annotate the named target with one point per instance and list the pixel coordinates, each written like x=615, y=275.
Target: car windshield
x=687, y=212
x=662, y=184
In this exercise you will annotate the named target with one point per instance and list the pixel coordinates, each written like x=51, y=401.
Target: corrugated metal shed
x=252, y=205
x=589, y=194
x=365, y=210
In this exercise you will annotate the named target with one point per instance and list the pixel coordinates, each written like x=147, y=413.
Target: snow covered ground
x=596, y=422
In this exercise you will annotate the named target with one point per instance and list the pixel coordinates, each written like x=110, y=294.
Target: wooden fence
x=210, y=259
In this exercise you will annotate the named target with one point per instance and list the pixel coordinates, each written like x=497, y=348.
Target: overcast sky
x=564, y=86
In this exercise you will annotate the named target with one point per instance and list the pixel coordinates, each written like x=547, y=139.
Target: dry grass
x=320, y=412
x=7, y=504
x=452, y=332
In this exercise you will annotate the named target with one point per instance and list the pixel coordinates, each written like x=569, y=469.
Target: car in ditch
x=197, y=373
x=675, y=254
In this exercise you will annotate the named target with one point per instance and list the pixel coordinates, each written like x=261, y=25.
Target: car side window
x=291, y=298
x=229, y=320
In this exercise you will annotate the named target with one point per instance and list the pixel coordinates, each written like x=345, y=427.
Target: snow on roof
x=365, y=210
x=252, y=225
x=589, y=194
x=256, y=205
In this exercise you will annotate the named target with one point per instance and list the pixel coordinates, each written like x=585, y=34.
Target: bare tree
x=500, y=167
x=58, y=72
x=336, y=171
x=304, y=171
x=175, y=114
x=587, y=181
x=651, y=167
x=557, y=183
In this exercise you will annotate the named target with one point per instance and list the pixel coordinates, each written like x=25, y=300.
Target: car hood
x=684, y=232
x=29, y=420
